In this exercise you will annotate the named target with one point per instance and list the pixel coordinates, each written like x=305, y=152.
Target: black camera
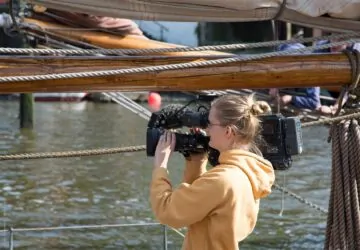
x=184, y=142
x=281, y=136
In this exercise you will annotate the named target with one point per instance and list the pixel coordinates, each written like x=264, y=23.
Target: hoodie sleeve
x=187, y=204
x=194, y=168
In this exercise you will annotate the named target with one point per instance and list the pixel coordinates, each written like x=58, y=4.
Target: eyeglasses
x=214, y=124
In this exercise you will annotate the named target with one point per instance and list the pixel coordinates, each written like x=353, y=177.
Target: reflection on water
x=113, y=189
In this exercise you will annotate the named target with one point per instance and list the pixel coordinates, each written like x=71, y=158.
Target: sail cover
x=332, y=14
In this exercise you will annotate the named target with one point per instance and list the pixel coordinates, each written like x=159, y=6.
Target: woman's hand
x=164, y=148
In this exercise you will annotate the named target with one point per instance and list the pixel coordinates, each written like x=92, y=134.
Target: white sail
x=345, y=13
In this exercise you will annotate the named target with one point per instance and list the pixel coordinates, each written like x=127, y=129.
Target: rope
x=331, y=120
x=129, y=104
x=354, y=60
x=299, y=198
x=343, y=223
x=91, y=152
x=177, y=66
x=12, y=15
x=282, y=7
x=177, y=49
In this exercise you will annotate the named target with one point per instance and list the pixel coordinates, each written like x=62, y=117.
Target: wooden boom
x=291, y=71
x=295, y=71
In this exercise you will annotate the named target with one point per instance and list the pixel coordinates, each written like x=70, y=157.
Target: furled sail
x=326, y=14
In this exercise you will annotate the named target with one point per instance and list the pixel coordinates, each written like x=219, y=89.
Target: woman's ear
x=229, y=132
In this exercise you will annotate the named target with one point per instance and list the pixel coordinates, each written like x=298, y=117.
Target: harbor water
x=114, y=189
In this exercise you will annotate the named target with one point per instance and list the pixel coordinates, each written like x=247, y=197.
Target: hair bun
x=259, y=108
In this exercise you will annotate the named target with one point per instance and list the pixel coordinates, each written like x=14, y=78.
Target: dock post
x=26, y=111
x=26, y=101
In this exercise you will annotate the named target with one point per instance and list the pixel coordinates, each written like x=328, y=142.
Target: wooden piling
x=26, y=101
x=26, y=111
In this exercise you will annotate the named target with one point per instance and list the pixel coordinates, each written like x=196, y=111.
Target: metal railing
x=11, y=231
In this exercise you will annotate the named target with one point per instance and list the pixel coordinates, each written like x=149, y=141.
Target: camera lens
x=152, y=139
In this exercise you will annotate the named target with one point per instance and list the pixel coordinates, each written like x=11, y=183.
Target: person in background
x=219, y=206
x=311, y=96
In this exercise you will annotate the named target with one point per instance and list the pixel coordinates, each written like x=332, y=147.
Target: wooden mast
x=279, y=72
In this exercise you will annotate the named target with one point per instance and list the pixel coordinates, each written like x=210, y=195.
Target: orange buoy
x=154, y=101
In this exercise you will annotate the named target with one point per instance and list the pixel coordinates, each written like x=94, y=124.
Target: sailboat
x=171, y=67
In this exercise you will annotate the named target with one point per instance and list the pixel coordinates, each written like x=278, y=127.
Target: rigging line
x=283, y=196
x=186, y=49
x=4, y=214
x=13, y=19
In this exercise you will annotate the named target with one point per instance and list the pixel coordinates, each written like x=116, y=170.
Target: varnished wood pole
x=278, y=72
x=25, y=65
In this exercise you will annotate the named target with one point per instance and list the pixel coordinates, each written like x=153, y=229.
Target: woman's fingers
x=173, y=141
x=168, y=137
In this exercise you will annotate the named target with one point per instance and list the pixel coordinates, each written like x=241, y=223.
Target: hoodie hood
x=259, y=171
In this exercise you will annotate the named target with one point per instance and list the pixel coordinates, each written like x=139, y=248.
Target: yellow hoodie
x=219, y=206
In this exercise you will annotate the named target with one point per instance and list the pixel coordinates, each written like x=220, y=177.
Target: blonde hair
x=240, y=114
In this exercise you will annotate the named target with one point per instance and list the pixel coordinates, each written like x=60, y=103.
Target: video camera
x=281, y=136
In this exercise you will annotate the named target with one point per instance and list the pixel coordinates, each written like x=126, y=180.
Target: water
x=114, y=189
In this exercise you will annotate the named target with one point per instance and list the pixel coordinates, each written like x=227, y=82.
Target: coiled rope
x=343, y=223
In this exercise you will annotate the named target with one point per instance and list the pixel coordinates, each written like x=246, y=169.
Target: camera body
x=184, y=142
x=281, y=136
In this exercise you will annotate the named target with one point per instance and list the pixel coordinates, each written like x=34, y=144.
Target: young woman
x=219, y=206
